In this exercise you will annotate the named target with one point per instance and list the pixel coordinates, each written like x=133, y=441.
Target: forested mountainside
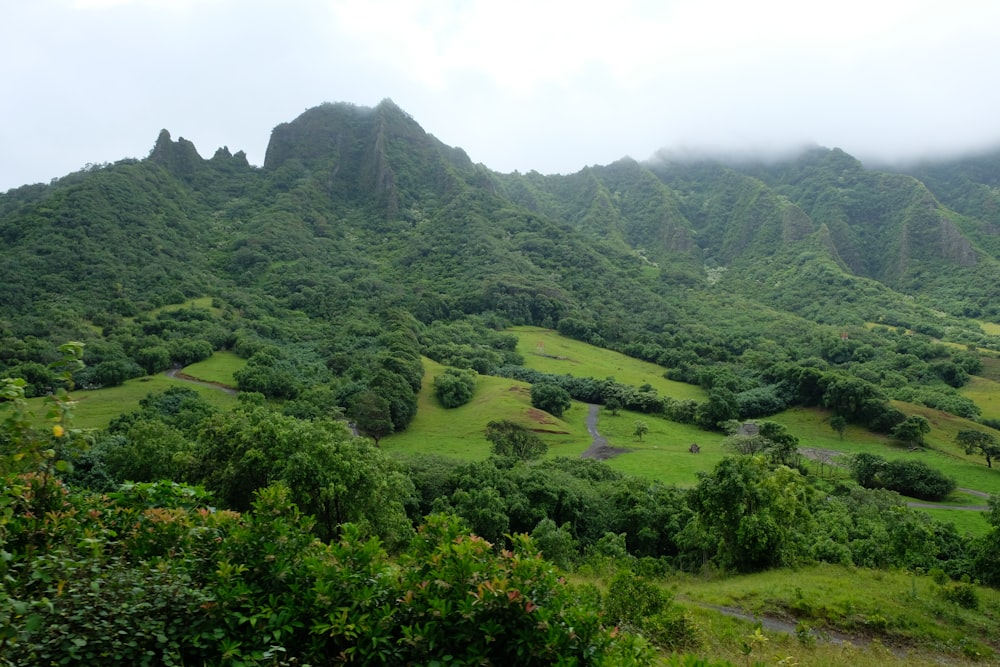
x=363, y=247
x=360, y=224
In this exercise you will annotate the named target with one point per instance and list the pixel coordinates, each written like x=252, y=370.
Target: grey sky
x=520, y=84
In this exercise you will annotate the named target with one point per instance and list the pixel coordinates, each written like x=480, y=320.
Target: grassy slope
x=900, y=610
x=985, y=393
x=217, y=368
x=662, y=453
x=811, y=427
x=583, y=360
x=458, y=432
x=96, y=409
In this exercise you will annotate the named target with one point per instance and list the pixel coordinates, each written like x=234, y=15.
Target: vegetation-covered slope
x=364, y=245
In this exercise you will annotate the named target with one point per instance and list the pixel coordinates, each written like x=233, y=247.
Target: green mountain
x=364, y=245
x=363, y=241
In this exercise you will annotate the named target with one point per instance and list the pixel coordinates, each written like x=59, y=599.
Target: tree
x=153, y=359
x=510, y=439
x=613, y=405
x=985, y=443
x=838, y=424
x=398, y=392
x=765, y=437
x=721, y=406
x=748, y=515
x=782, y=445
x=550, y=397
x=330, y=475
x=866, y=468
x=371, y=414
x=112, y=373
x=985, y=548
x=916, y=479
x=641, y=429
x=912, y=430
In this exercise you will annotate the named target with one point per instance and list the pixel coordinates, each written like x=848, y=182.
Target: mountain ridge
x=359, y=217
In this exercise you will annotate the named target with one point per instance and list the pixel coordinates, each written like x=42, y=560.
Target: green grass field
x=217, y=368
x=810, y=425
x=985, y=393
x=200, y=302
x=663, y=453
x=96, y=409
x=571, y=357
x=965, y=521
x=458, y=432
x=991, y=328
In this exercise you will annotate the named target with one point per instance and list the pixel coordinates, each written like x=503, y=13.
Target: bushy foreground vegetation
x=151, y=572
x=151, y=576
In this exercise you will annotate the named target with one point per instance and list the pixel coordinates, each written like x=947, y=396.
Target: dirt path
x=599, y=448
x=774, y=624
x=176, y=374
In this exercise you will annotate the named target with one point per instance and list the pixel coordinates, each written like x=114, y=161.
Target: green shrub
x=455, y=387
x=909, y=478
x=916, y=479
x=551, y=398
x=637, y=604
x=964, y=595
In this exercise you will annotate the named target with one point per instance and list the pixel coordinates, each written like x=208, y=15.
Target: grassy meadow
x=545, y=350
x=458, y=432
x=218, y=368
x=812, y=427
x=96, y=409
x=985, y=392
x=663, y=453
x=878, y=618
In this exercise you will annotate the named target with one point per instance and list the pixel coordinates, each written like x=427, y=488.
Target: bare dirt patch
x=539, y=417
x=177, y=374
x=830, y=457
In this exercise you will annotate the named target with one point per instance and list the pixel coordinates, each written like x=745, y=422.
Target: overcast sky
x=523, y=85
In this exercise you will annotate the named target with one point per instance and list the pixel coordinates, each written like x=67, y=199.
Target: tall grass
x=985, y=393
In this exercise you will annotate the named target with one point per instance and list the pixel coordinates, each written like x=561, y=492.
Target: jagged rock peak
x=179, y=157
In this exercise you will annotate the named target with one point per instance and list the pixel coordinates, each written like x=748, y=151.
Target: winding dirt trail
x=599, y=448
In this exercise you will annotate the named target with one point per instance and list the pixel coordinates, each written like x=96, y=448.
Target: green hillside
x=224, y=432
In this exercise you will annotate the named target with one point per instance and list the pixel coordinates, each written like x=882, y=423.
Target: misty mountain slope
x=623, y=204
x=358, y=213
x=375, y=157
x=738, y=219
x=879, y=226
x=453, y=242
x=970, y=185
